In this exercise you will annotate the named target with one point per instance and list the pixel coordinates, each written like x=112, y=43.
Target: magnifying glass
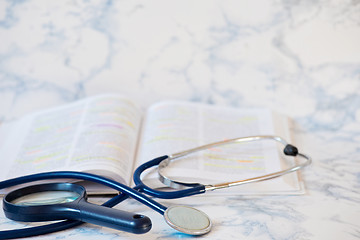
x=47, y=202
x=58, y=201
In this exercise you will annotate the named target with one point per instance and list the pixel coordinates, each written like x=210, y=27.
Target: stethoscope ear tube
x=194, y=190
x=288, y=150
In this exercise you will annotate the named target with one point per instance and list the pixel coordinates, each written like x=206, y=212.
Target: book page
x=98, y=134
x=173, y=127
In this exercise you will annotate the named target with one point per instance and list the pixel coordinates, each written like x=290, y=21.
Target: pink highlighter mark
x=109, y=125
x=64, y=129
x=33, y=152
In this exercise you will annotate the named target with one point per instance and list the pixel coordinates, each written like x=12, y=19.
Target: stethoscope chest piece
x=188, y=220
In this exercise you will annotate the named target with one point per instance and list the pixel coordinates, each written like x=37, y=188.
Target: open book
x=111, y=135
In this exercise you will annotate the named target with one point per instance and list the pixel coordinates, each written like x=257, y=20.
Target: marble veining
x=299, y=58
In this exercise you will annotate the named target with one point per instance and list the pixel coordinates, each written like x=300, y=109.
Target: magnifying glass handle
x=114, y=218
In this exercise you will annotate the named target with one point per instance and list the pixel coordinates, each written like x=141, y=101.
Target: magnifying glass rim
x=58, y=226
x=70, y=187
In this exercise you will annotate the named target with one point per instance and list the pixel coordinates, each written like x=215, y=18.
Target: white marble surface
x=300, y=58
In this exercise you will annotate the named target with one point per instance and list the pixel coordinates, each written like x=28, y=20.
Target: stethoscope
x=59, y=201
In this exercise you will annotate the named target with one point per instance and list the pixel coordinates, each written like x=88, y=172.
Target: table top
x=298, y=58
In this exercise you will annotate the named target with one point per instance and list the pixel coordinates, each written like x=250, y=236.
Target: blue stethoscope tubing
x=125, y=192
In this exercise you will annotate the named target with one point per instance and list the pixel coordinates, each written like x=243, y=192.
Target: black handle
x=114, y=218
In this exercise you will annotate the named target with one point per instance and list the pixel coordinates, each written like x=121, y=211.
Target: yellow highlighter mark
x=46, y=158
x=129, y=123
x=218, y=157
x=239, y=120
x=162, y=138
x=233, y=167
x=42, y=129
x=113, y=146
x=84, y=158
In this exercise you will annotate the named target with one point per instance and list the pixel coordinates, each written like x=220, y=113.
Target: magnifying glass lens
x=46, y=198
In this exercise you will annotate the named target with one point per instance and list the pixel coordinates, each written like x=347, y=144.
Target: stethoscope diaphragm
x=187, y=220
